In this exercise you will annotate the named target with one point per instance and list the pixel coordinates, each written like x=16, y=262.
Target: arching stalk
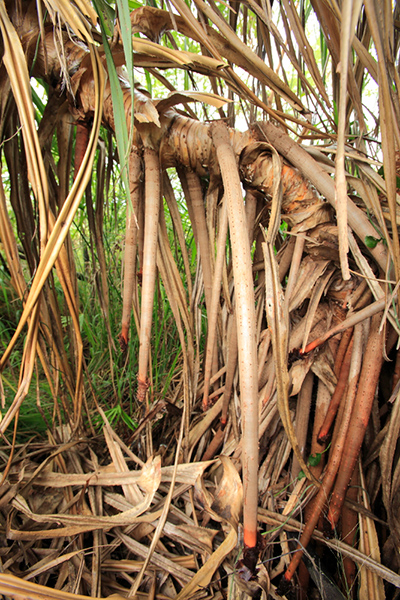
x=212, y=313
x=152, y=211
x=131, y=237
x=194, y=195
x=246, y=327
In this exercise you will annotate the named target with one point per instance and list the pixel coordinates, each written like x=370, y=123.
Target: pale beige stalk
x=131, y=236
x=152, y=212
x=215, y=296
x=246, y=332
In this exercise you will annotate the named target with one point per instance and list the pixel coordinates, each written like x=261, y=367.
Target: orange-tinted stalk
x=337, y=395
x=353, y=319
x=370, y=372
x=342, y=349
x=334, y=457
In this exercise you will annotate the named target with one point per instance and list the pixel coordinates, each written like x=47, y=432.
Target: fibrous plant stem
x=131, y=237
x=369, y=377
x=335, y=456
x=152, y=211
x=246, y=326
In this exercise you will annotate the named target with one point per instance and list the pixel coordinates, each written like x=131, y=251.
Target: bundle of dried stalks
x=299, y=322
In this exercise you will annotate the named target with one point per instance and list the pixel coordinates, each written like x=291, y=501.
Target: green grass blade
x=121, y=129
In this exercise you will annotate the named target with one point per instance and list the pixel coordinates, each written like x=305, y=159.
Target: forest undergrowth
x=198, y=324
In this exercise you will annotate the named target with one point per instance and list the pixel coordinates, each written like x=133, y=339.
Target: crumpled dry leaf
x=298, y=373
x=198, y=539
x=149, y=480
x=17, y=588
x=175, y=98
x=187, y=473
x=228, y=502
x=145, y=110
x=322, y=367
x=309, y=273
x=253, y=587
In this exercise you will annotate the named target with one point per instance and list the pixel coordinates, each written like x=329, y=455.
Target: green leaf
x=129, y=422
x=126, y=35
x=133, y=4
x=371, y=241
x=108, y=14
x=121, y=129
x=37, y=101
x=314, y=459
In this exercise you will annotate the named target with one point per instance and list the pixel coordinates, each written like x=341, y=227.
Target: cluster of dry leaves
x=299, y=328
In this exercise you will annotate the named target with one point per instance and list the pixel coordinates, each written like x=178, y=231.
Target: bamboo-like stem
x=337, y=395
x=231, y=363
x=334, y=459
x=140, y=240
x=131, y=237
x=371, y=369
x=169, y=195
x=152, y=211
x=195, y=202
x=246, y=327
x=212, y=312
x=250, y=210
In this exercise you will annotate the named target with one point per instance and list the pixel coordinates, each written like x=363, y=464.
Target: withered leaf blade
x=226, y=506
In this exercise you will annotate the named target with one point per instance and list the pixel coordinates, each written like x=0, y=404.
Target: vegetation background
x=199, y=258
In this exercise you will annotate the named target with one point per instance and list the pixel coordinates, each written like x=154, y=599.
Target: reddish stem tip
x=142, y=389
x=322, y=437
x=123, y=342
